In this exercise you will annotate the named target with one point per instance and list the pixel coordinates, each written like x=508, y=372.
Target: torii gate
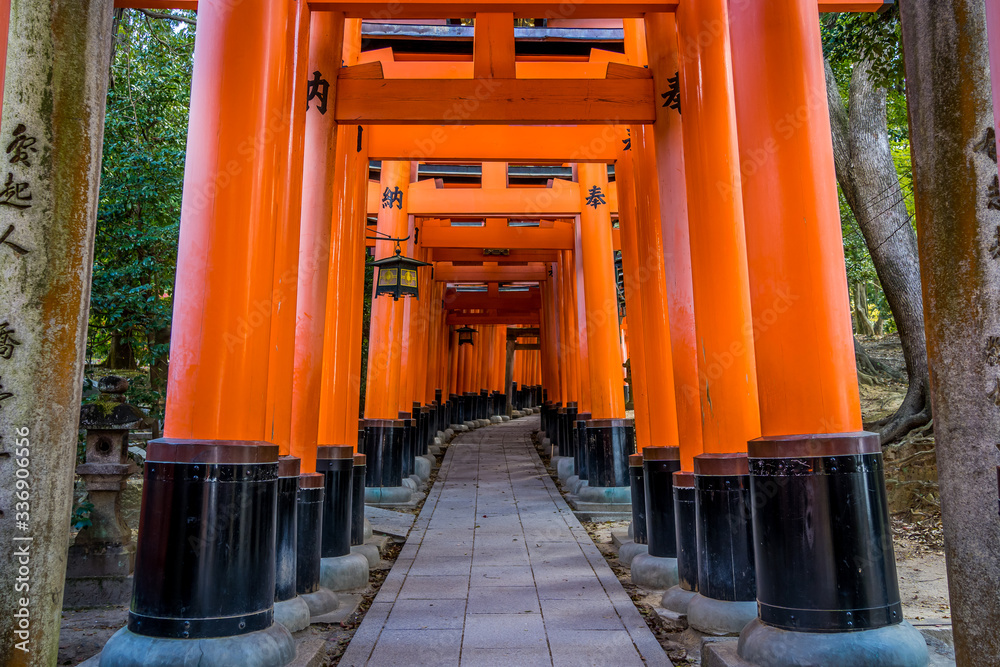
x=735, y=357
x=236, y=256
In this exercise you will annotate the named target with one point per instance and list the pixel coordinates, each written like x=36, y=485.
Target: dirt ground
x=911, y=481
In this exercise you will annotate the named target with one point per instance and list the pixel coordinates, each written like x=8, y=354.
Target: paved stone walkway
x=498, y=571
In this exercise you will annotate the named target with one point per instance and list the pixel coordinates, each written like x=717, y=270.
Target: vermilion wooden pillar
x=318, y=193
x=806, y=373
x=608, y=401
x=453, y=356
x=358, y=211
x=220, y=332
x=579, y=289
x=656, y=321
x=288, y=198
x=823, y=543
x=341, y=301
x=568, y=349
x=727, y=373
x=386, y=333
x=627, y=223
x=407, y=346
x=550, y=338
x=217, y=407
x=664, y=63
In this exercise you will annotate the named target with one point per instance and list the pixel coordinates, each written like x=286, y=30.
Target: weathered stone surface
x=899, y=645
x=344, y=573
x=952, y=131
x=55, y=87
x=293, y=614
x=720, y=617
x=653, y=572
x=264, y=648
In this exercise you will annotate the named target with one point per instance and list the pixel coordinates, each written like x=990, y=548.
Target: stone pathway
x=498, y=571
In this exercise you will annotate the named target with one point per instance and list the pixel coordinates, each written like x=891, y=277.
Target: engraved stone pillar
x=55, y=87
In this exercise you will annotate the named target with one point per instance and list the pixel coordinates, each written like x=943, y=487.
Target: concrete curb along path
x=498, y=571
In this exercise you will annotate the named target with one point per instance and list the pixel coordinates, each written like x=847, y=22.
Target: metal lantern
x=397, y=275
x=465, y=335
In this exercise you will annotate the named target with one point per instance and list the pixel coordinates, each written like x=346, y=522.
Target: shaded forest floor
x=911, y=481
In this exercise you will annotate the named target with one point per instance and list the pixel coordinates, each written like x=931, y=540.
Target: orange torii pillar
x=614, y=436
x=703, y=93
x=824, y=556
x=659, y=566
x=578, y=291
x=217, y=406
x=323, y=194
x=660, y=172
x=319, y=191
x=389, y=463
x=568, y=350
x=664, y=62
x=342, y=294
x=635, y=312
x=550, y=336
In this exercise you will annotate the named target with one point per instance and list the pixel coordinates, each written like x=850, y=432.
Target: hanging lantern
x=397, y=275
x=465, y=335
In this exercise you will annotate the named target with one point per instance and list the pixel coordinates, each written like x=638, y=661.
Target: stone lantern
x=102, y=556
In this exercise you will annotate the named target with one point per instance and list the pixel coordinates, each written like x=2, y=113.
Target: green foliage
x=848, y=39
x=141, y=181
x=851, y=37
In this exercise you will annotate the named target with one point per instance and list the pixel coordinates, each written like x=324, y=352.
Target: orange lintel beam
x=495, y=101
x=519, y=203
x=526, y=9
x=513, y=256
x=518, y=301
x=489, y=274
x=602, y=64
x=421, y=9
x=500, y=143
x=459, y=319
x=557, y=237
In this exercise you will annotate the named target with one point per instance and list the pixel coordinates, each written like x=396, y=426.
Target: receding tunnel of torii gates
x=458, y=278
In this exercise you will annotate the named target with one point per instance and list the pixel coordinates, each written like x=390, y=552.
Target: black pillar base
x=309, y=536
x=637, y=480
x=384, y=444
x=285, y=546
x=829, y=565
x=726, y=580
x=685, y=529
x=580, y=445
x=208, y=515
x=358, y=501
x=336, y=463
x=609, y=444
x=660, y=464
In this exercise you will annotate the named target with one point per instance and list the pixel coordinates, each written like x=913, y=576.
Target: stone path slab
x=389, y=522
x=498, y=571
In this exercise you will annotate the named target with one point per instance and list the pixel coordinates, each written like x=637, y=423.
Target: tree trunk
x=863, y=324
x=158, y=367
x=951, y=114
x=121, y=356
x=867, y=175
